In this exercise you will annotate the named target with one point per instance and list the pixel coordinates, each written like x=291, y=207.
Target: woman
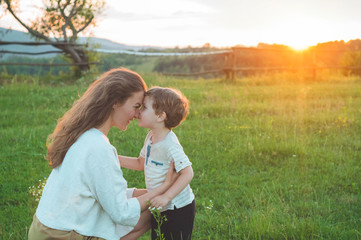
x=86, y=195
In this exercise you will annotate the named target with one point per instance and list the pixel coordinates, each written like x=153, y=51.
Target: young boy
x=163, y=109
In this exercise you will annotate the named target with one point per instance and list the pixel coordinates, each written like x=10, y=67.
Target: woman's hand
x=171, y=176
x=160, y=201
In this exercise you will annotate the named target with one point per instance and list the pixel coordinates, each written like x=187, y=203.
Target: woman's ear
x=116, y=105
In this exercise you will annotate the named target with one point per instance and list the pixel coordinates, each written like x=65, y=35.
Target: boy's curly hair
x=172, y=102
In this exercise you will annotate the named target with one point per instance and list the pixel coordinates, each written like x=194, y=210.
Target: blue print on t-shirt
x=148, y=153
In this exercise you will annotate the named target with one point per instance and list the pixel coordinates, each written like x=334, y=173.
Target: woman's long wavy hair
x=92, y=110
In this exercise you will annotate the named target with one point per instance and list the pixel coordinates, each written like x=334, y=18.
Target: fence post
x=230, y=65
x=359, y=64
x=233, y=64
x=314, y=63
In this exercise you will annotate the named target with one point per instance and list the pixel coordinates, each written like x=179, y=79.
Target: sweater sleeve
x=108, y=186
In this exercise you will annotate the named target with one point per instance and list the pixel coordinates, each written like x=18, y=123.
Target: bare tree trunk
x=79, y=56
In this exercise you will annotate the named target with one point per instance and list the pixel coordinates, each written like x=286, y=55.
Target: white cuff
x=129, y=192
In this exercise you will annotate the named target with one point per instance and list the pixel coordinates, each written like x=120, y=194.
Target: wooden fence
x=230, y=68
x=39, y=53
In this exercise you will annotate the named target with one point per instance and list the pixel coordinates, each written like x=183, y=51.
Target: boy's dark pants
x=179, y=224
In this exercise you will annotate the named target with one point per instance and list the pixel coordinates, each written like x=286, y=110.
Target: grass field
x=275, y=157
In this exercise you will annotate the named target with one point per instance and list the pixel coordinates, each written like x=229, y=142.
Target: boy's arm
x=183, y=180
x=132, y=162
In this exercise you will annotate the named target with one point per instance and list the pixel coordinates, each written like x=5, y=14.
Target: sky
x=222, y=23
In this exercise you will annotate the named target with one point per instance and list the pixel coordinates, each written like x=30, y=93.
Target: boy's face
x=147, y=117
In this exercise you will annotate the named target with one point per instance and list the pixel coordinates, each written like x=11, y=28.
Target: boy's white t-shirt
x=157, y=158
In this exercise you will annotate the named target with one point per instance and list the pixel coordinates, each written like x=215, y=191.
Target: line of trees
x=336, y=53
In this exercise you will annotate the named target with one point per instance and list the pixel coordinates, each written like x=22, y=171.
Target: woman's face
x=124, y=113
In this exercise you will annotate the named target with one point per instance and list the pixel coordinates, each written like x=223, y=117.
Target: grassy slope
x=272, y=160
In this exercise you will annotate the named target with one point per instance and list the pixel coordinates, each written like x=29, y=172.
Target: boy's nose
x=137, y=114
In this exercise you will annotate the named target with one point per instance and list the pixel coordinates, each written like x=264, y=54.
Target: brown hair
x=172, y=102
x=92, y=110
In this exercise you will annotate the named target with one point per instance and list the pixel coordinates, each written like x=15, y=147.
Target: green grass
x=275, y=157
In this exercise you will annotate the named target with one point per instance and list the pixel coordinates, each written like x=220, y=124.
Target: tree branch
x=46, y=25
x=63, y=28
x=86, y=24
x=33, y=32
x=72, y=13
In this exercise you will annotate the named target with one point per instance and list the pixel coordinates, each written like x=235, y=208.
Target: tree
x=60, y=24
x=351, y=59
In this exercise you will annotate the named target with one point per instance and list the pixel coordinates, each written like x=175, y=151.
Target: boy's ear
x=162, y=116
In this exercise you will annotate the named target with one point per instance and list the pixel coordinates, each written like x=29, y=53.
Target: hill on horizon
x=11, y=35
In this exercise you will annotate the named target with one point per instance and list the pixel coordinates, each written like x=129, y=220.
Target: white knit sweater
x=88, y=193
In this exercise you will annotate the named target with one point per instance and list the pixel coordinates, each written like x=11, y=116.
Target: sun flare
x=299, y=47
